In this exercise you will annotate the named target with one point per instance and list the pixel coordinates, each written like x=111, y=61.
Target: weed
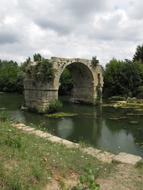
x=87, y=181
x=55, y=106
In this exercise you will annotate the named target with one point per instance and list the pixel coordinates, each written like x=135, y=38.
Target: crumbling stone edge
x=101, y=155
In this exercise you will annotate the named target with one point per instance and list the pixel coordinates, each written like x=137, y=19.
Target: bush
x=140, y=92
x=42, y=71
x=4, y=116
x=11, y=77
x=55, y=106
x=87, y=181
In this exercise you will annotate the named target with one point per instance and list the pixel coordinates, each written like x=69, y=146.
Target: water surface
x=114, y=130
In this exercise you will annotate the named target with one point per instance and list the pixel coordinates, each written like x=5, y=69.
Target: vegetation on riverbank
x=30, y=162
x=121, y=77
x=11, y=77
x=124, y=78
x=122, y=102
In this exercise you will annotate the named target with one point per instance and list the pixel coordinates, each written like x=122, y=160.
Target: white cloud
x=70, y=28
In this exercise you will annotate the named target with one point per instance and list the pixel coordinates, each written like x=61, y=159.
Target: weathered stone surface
x=99, y=154
x=88, y=80
x=127, y=158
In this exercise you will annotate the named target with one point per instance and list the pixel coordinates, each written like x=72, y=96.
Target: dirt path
x=126, y=177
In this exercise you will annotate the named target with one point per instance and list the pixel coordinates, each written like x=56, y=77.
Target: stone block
x=127, y=158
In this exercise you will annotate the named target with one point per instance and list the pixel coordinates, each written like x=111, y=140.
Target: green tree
x=11, y=77
x=122, y=78
x=138, y=56
x=66, y=82
x=37, y=57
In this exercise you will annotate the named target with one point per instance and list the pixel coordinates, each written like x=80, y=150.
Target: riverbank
x=31, y=162
x=132, y=103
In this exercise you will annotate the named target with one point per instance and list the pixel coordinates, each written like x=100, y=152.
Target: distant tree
x=37, y=57
x=138, y=54
x=66, y=82
x=122, y=78
x=11, y=77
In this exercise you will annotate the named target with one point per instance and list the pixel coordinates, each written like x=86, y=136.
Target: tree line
x=124, y=78
x=121, y=77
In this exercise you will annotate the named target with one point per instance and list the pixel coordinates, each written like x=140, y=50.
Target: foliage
x=4, y=116
x=54, y=106
x=87, y=181
x=42, y=70
x=122, y=78
x=140, y=92
x=37, y=57
x=11, y=77
x=138, y=54
x=94, y=61
x=66, y=82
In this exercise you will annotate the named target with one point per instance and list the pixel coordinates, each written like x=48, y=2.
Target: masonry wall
x=39, y=95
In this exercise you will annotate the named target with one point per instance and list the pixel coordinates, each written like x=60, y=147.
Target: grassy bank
x=28, y=162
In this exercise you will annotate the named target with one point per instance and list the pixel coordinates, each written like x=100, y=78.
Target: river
x=110, y=129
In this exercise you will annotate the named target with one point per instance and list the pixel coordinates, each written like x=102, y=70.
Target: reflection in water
x=92, y=125
x=65, y=128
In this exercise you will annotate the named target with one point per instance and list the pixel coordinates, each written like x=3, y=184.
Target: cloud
x=70, y=28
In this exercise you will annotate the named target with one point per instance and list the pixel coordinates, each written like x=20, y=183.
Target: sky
x=70, y=28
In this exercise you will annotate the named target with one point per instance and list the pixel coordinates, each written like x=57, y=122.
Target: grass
x=28, y=162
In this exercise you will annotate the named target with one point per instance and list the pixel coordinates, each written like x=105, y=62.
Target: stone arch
x=83, y=82
x=88, y=81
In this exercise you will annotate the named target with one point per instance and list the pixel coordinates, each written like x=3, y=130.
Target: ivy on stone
x=94, y=61
x=40, y=69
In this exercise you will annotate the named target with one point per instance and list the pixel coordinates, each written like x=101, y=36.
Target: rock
x=127, y=158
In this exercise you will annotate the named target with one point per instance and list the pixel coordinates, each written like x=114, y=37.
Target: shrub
x=140, y=92
x=94, y=61
x=42, y=70
x=87, y=181
x=55, y=106
x=4, y=116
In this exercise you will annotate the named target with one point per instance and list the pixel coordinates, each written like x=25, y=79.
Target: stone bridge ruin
x=87, y=84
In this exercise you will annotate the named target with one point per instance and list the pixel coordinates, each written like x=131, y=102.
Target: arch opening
x=77, y=82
